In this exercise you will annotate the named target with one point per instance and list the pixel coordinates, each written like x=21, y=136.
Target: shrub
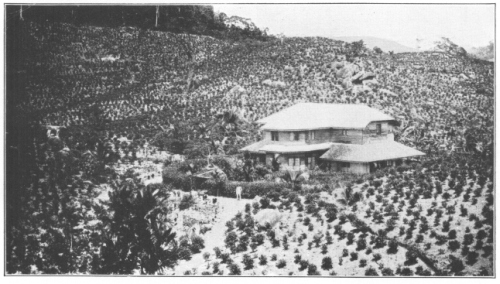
x=453, y=245
x=262, y=259
x=186, y=202
x=456, y=265
x=393, y=247
x=411, y=257
x=307, y=221
x=281, y=263
x=297, y=259
x=234, y=269
x=377, y=257
x=354, y=256
x=312, y=269
x=197, y=244
x=206, y=273
x=406, y=271
x=224, y=257
x=184, y=253
x=247, y=261
x=326, y=263
x=468, y=239
x=215, y=267
x=324, y=249
x=371, y=272
x=231, y=240
x=345, y=252
x=303, y=264
x=328, y=237
x=350, y=238
x=368, y=250
x=264, y=203
x=361, y=244
x=230, y=226
x=248, y=208
x=274, y=257
x=206, y=256
x=452, y=234
x=311, y=228
x=253, y=246
x=258, y=239
x=387, y=272
x=217, y=252
x=362, y=262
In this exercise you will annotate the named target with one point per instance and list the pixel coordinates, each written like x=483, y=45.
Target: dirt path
x=215, y=237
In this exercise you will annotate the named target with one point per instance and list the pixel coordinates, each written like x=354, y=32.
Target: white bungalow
x=347, y=137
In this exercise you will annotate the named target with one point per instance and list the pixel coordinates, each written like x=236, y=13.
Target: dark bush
x=387, y=272
x=371, y=272
x=262, y=260
x=362, y=262
x=184, y=253
x=197, y=244
x=247, y=261
x=303, y=264
x=456, y=265
x=234, y=269
x=281, y=263
x=186, y=202
x=453, y=245
x=312, y=270
x=326, y=263
x=472, y=257
x=406, y=271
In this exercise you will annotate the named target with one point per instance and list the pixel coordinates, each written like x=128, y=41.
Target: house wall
x=355, y=168
x=353, y=136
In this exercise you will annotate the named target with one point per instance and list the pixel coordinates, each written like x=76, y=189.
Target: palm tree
x=138, y=231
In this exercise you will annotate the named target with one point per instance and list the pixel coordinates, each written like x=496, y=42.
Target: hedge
x=250, y=189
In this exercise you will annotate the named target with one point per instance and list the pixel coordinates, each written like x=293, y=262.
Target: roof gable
x=305, y=116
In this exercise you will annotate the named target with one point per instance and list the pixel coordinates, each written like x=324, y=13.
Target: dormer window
x=274, y=136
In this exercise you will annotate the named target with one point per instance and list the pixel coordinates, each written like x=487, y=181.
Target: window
x=345, y=165
x=274, y=136
x=312, y=135
x=294, y=136
x=295, y=161
x=379, y=128
x=344, y=132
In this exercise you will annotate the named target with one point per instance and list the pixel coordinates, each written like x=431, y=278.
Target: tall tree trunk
x=157, y=15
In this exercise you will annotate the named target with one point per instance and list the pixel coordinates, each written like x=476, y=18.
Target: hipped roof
x=307, y=116
x=270, y=147
x=372, y=152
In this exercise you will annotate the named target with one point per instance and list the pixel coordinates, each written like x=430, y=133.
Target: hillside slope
x=385, y=44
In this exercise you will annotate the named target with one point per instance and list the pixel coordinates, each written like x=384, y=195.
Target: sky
x=466, y=25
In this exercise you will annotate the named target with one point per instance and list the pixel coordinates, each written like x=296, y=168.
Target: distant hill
x=385, y=44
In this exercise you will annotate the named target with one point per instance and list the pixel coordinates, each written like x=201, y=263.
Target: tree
x=138, y=235
x=456, y=265
x=377, y=50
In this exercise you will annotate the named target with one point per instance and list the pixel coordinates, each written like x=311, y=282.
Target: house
x=345, y=137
